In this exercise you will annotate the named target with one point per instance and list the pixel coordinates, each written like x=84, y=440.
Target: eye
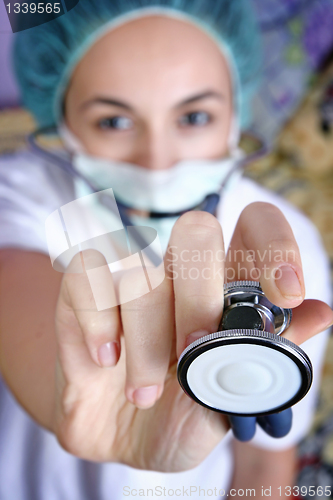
x=116, y=122
x=196, y=119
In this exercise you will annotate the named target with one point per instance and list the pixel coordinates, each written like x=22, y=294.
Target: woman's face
x=152, y=92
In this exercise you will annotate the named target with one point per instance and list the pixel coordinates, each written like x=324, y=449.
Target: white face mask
x=179, y=188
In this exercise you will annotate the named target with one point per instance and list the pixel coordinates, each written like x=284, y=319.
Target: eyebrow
x=108, y=101
x=203, y=95
x=121, y=104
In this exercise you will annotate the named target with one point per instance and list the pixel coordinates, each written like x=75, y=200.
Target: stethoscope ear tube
x=276, y=425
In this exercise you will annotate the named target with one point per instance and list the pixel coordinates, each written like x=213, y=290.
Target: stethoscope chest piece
x=246, y=368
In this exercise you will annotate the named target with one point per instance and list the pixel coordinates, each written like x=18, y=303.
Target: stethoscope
x=209, y=204
x=246, y=368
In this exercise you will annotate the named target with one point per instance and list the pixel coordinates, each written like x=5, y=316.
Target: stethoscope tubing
x=208, y=205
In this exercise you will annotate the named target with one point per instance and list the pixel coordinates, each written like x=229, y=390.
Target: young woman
x=140, y=93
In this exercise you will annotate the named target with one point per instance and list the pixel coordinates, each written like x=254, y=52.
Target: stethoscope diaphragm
x=246, y=371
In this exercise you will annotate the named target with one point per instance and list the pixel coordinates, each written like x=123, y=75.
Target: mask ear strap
x=234, y=134
x=70, y=141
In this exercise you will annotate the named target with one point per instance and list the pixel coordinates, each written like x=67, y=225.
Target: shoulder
x=34, y=178
x=247, y=191
x=30, y=190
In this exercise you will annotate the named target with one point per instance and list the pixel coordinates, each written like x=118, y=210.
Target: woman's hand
x=133, y=410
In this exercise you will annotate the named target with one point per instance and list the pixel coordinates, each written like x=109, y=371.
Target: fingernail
x=330, y=324
x=195, y=336
x=287, y=282
x=108, y=354
x=145, y=396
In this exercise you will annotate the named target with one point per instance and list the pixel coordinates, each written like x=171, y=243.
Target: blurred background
x=293, y=112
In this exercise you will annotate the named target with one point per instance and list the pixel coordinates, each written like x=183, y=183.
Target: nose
x=156, y=150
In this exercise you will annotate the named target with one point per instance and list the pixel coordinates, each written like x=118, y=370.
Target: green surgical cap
x=46, y=55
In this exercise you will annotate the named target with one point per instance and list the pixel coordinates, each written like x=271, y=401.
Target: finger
x=148, y=325
x=277, y=425
x=263, y=248
x=195, y=261
x=100, y=328
x=309, y=319
x=243, y=428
